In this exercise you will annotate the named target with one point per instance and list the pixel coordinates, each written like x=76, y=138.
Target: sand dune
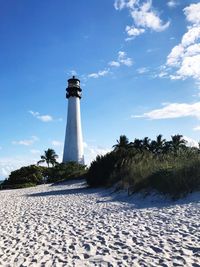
x=70, y=225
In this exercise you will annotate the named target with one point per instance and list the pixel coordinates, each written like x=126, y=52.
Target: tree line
x=168, y=166
x=157, y=146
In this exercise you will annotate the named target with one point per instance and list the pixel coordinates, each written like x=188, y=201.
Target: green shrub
x=125, y=166
x=101, y=169
x=16, y=186
x=175, y=174
x=177, y=182
x=30, y=175
x=65, y=171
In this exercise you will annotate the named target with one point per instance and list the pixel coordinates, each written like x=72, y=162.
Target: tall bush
x=65, y=171
x=167, y=166
x=32, y=175
x=101, y=169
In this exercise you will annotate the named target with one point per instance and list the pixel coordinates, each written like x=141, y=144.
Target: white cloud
x=122, y=59
x=190, y=67
x=57, y=143
x=99, y=74
x=44, y=118
x=172, y=3
x=174, y=57
x=73, y=73
x=162, y=74
x=26, y=142
x=85, y=145
x=142, y=70
x=191, y=142
x=196, y=128
x=192, y=13
x=144, y=17
x=8, y=164
x=114, y=64
x=172, y=111
x=133, y=31
x=183, y=60
x=120, y=4
x=91, y=151
x=193, y=50
x=198, y=85
x=191, y=36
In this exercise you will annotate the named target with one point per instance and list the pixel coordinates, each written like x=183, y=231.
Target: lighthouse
x=73, y=147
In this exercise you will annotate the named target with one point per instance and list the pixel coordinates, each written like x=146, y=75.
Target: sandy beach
x=71, y=225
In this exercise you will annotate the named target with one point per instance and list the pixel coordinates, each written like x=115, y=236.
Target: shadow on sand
x=136, y=201
x=72, y=191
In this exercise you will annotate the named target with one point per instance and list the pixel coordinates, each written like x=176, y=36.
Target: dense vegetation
x=170, y=167
x=66, y=171
x=33, y=175
x=24, y=177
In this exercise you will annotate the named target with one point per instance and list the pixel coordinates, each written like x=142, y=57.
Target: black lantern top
x=73, y=88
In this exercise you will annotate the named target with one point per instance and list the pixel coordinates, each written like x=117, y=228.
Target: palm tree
x=157, y=145
x=160, y=142
x=138, y=144
x=122, y=143
x=49, y=157
x=177, y=142
x=146, y=143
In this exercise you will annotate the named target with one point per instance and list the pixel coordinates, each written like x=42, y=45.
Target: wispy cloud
x=183, y=60
x=91, y=151
x=142, y=70
x=73, y=73
x=44, y=118
x=99, y=74
x=57, y=143
x=122, y=59
x=172, y=111
x=26, y=142
x=8, y=164
x=144, y=17
x=114, y=63
x=190, y=141
x=172, y=3
x=196, y=128
x=133, y=31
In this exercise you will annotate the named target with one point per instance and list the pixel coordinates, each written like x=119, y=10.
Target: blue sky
x=138, y=62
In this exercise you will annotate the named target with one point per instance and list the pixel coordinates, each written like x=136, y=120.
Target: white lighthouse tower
x=73, y=148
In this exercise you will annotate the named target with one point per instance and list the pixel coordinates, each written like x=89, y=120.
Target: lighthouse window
x=73, y=84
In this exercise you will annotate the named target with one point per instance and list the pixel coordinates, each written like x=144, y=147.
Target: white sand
x=68, y=225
